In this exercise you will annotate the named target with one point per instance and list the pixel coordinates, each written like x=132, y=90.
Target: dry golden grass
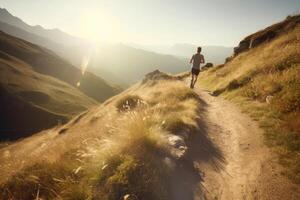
x=126, y=157
x=265, y=81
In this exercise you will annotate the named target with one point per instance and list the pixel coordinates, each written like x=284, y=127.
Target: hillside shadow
x=187, y=182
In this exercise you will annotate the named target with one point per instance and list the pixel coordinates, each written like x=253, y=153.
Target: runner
x=196, y=60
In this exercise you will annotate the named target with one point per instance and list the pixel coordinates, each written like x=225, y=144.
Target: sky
x=155, y=22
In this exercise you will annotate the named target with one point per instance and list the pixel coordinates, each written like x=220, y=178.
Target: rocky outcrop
x=267, y=34
x=207, y=66
x=158, y=75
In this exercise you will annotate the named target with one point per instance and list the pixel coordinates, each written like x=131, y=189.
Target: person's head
x=199, y=49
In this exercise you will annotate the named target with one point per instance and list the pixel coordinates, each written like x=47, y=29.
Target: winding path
x=240, y=166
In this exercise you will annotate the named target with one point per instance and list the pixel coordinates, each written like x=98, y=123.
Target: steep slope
x=46, y=62
x=31, y=101
x=127, y=146
x=264, y=80
x=267, y=34
x=156, y=140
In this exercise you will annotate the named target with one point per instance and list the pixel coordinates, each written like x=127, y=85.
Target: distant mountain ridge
x=214, y=54
x=125, y=66
x=72, y=52
x=129, y=64
x=52, y=34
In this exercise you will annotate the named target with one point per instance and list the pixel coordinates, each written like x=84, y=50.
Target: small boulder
x=178, y=147
x=206, y=66
x=269, y=99
x=228, y=59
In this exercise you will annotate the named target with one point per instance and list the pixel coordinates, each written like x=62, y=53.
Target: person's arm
x=202, y=59
x=192, y=59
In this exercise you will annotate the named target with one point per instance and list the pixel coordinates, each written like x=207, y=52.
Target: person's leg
x=192, y=81
x=195, y=80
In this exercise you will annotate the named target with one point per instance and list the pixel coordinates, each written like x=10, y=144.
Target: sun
x=100, y=26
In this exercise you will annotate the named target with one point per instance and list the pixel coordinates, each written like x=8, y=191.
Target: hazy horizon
x=216, y=22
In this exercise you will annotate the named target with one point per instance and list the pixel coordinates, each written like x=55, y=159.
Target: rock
x=228, y=59
x=176, y=141
x=244, y=45
x=267, y=34
x=157, y=75
x=178, y=147
x=129, y=197
x=207, y=66
x=269, y=99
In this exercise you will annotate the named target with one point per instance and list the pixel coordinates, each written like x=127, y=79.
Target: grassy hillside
x=126, y=147
x=39, y=89
x=46, y=62
x=31, y=101
x=264, y=79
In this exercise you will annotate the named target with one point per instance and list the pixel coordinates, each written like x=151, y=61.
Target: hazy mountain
x=127, y=64
x=46, y=62
x=68, y=47
x=52, y=34
x=213, y=54
x=118, y=63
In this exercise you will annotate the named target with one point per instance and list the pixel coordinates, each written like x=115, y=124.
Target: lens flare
x=84, y=63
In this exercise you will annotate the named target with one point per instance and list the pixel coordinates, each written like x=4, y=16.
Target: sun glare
x=100, y=26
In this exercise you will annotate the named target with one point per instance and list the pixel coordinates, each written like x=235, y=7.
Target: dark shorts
x=195, y=71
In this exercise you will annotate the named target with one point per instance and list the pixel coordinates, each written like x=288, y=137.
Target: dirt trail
x=240, y=166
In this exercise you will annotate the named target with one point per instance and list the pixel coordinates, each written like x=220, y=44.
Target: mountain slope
x=46, y=62
x=52, y=34
x=128, y=145
x=39, y=89
x=160, y=141
x=73, y=53
x=31, y=101
x=264, y=80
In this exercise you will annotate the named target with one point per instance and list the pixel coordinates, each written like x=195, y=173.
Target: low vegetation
x=265, y=82
x=128, y=102
x=132, y=159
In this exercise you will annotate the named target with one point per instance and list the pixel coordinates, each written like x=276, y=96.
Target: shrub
x=133, y=175
x=234, y=84
x=128, y=102
x=288, y=100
